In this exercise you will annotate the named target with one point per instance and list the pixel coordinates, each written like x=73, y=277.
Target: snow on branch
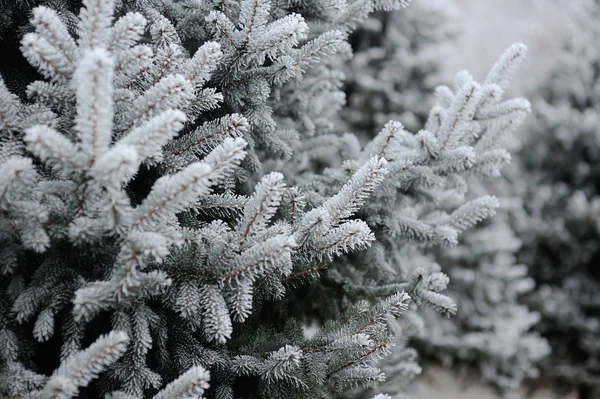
x=186, y=149
x=189, y=385
x=347, y=237
x=217, y=322
x=48, y=25
x=504, y=69
x=173, y=91
x=149, y=138
x=353, y=194
x=95, y=20
x=261, y=208
x=126, y=32
x=10, y=107
x=93, y=82
x=173, y=194
x=203, y=63
x=53, y=147
x=42, y=54
x=78, y=370
x=473, y=212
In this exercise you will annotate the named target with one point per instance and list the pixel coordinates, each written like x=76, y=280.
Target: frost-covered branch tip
x=78, y=370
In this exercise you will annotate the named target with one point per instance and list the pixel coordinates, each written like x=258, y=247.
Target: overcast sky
x=490, y=26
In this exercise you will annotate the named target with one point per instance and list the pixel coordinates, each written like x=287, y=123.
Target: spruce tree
x=559, y=180
x=397, y=64
x=177, y=204
x=493, y=331
x=398, y=58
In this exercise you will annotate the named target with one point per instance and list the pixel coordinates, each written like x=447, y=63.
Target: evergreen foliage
x=17, y=72
x=493, y=330
x=560, y=155
x=177, y=204
x=398, y=61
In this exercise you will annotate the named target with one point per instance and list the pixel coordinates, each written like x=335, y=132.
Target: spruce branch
x=347, y=237
x=10, y=108
x=206, y=137
x=221, y=205
x=95, y=20
x=203, y=63
x=281, y=363
x=261, y=208
x=278, y=37
x=217, y=322
x=149, y=138
x=173, y=194
x=241, y=300
x=188, y=300
x=392, y=306
x=78, y=370
x=171, y=92
x=54, y=148
x=503, y=71
x=92, y=81
x=384, y=143
x=16, y=174
x=48, y=24
x=126, y=32
x=473, y=212
x=455, y=124
x=253, y=14
x=132, y=65
x=190, y=385
x=353, y=194
x=272, y=254
x=46, y=57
